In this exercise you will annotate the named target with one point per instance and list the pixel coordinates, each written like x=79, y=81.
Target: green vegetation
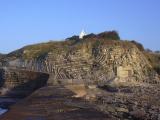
x=97, y=44
x=39, y=51
x=107, y=35
x=139, y=45
x=110, y=35
x=154, y=59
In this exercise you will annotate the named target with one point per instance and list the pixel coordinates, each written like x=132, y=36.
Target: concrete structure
x=124, y=72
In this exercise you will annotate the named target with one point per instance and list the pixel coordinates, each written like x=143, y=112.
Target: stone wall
x=21, y=82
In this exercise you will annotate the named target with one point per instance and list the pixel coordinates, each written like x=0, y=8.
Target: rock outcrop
x=91, y=78
x=89, y=61
x=20, y=83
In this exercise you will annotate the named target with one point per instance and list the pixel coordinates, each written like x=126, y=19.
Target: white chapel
x=82, y=34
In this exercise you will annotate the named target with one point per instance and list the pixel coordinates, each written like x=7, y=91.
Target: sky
x=24, y=22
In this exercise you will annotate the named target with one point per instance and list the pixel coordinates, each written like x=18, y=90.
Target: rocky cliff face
x=75, y=67
x=89, y=61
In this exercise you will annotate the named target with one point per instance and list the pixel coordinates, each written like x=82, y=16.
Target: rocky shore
x=52, y=103
x=60, y=103
x=131, y=103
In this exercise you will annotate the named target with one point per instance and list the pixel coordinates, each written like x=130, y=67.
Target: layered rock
x=112, y=76
x=91, y=61
x=19, y=83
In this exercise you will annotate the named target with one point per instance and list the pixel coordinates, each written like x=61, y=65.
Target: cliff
x=93, y=60
x=115, y=79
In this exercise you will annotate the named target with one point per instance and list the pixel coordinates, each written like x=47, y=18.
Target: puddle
x=2, y=111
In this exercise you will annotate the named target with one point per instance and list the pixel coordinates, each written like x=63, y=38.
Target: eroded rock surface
x=61, y=103
x=53, y=103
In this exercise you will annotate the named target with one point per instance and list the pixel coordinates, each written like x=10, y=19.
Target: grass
x=39, y=51
x=154, y=59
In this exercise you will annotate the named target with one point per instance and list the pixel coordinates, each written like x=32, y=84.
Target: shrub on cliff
x=75, y=37
x=110, y=35
x=139, y=45
x=154, y=59
x=92, y=35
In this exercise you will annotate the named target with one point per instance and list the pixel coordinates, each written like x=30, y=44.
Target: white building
x=82, y=34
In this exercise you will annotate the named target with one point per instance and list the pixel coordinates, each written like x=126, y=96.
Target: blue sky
x=24, y=22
